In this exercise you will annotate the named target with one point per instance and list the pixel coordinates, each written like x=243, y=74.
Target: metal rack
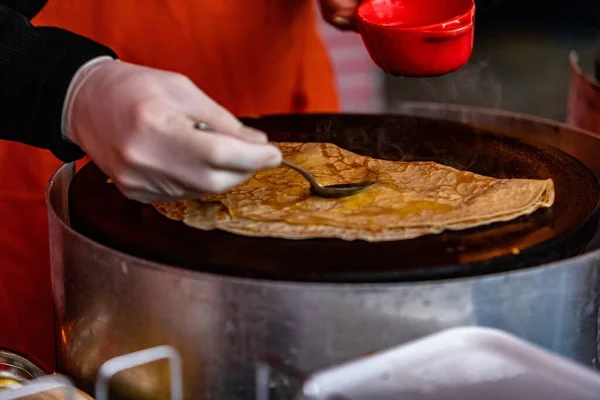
x=105, y=374
x=108, y=370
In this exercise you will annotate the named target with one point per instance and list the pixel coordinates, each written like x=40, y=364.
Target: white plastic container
x=467, y=363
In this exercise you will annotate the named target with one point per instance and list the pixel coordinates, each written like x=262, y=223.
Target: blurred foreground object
x=467, y=363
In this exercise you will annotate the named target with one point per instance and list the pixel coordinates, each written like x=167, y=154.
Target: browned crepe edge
x=211, y=216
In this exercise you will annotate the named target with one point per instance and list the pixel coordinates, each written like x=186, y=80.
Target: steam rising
x=474, y=84
x=409, y=137
x=396, y=139
x=413, y=139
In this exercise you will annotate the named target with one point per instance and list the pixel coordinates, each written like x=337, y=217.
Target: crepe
x=408, y=200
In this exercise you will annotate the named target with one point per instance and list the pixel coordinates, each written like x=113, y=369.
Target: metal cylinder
x=109, y=303
x=583, y=102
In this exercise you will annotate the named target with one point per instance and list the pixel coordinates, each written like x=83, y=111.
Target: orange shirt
x=253, y=57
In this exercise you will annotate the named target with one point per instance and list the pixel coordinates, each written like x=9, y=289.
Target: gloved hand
x=138, y=125
x=340, y=13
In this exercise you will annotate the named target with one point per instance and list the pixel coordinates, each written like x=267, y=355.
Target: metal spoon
x=329, y=191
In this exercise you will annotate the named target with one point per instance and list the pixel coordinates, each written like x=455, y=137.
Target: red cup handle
x=441, y=35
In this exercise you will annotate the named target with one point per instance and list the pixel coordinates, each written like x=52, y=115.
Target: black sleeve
x=29, y=8
x=36, y=68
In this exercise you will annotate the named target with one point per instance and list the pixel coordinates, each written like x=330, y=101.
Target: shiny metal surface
x=22, y=379
x=331, y=191
x=109, y=304
x=16, y=368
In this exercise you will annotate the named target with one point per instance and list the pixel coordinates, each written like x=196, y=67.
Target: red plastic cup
x=418, y=38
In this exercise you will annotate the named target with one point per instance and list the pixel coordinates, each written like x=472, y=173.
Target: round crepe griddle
x=99, y=211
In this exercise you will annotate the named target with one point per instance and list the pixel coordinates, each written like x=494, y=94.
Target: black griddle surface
x=99, y=211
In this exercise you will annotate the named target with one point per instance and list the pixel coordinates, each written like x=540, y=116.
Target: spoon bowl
x=329, y=191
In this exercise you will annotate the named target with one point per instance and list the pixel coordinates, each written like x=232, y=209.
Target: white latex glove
x=137, y=125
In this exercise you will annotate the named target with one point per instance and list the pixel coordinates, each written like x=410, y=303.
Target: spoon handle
x=307, y=175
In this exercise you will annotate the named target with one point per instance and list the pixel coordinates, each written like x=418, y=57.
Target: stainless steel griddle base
x=109, y=304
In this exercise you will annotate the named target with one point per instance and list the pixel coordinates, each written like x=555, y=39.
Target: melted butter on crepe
x=410, y=199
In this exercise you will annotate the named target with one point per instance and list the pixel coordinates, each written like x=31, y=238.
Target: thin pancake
x=410, y=199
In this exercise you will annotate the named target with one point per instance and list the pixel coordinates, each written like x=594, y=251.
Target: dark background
x=520, y=58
